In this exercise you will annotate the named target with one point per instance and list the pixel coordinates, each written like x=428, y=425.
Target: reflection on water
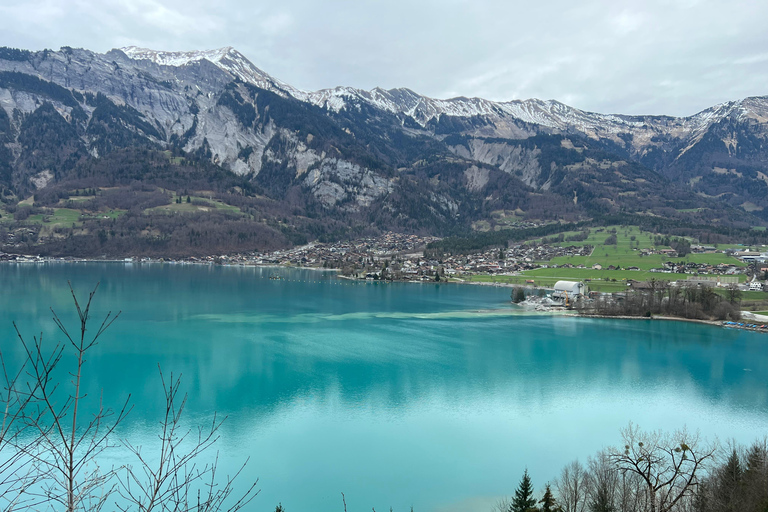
x=435, y=396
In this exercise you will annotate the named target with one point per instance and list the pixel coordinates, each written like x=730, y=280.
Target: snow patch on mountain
x=164, y=58
x=226, y=58
x=507, y=117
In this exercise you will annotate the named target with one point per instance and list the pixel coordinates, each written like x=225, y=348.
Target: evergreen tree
x=524, y=500
x=548, y=503
x=730, y=483
x=755, y=478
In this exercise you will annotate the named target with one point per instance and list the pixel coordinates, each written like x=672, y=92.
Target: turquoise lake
x=434, y=396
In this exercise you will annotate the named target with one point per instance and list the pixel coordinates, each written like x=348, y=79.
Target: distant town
x=401, y=257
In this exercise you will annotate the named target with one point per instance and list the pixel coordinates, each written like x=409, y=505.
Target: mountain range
x=328, y=163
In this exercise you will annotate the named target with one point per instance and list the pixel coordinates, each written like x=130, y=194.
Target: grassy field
x=602, y=275
x=112, y=214
x=76, y=199
x=546, y=281
x=184, y=206
x=500, y=219
x=62, y=217
x=627, y=251
x=749, y=296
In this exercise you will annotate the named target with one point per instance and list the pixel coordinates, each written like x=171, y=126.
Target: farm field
x=544, y=282
x=189, y=207
x=627, y=250
x=60, y=217
x=630, y=240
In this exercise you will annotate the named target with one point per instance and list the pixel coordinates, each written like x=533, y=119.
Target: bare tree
x=501, y=505
x=734, y=293
x=17, y=472
x=68, y=445
x=63, y=455
x=603, y=483
x=572, y=487
x=171, y=478
x=669, y=466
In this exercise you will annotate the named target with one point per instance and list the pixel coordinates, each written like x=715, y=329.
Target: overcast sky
x=672, y=57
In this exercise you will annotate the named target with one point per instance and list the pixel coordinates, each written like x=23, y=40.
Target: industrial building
x=569, y=290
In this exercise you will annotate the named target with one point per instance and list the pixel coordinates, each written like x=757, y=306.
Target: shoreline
x=716, y=323
x=713, y=323
x=163, y=262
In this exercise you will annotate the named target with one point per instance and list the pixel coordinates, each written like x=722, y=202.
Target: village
x=401, y=257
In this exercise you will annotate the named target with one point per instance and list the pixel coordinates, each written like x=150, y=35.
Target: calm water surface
x=436, y=396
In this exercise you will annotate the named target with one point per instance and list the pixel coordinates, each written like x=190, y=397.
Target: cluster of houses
x=400, y=256
x=360, y=254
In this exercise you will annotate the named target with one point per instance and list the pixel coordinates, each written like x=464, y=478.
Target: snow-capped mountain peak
x=550, y=114
x=226, y=58
x=164, y=58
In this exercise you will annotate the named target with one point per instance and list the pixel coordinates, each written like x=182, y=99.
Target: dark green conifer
x=524, y=500
x=730, y=483
x=548, y=502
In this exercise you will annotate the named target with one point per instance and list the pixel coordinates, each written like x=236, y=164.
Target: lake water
x=434, y=396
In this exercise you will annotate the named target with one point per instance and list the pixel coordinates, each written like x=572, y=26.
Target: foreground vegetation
x=654, y=472
x=52, y=437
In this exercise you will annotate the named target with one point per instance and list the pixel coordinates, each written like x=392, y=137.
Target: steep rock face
x=477, y=178
x=363, y=151
x=334, y=182
x=516, y=160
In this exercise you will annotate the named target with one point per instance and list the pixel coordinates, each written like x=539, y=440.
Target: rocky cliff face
x=364, y=152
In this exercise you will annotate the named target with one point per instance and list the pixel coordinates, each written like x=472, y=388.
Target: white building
x=570, y=289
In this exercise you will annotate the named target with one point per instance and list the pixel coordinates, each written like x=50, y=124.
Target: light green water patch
x=307, y=318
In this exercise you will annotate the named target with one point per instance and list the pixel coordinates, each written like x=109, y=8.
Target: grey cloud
x=655, y=57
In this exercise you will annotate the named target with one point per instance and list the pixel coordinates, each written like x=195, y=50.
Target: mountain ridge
x=551, y=113
x=346, y=159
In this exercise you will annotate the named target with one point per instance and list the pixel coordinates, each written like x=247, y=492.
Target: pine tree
x=524, y=500
x=730, y=483
x=548, y=503
x=755, y=478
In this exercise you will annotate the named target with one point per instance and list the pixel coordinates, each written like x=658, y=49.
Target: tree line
x=657, y=297
x=654, y=472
